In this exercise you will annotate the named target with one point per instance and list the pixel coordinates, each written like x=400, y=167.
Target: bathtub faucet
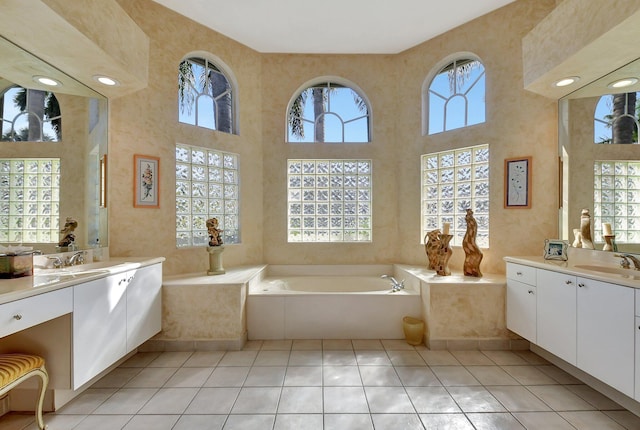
x=395, y=285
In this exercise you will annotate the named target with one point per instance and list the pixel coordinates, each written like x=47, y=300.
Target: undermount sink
x=607, y=269
x=40, y=279
x=84, y=269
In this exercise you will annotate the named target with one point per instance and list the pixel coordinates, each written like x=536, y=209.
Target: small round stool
x=16, y=368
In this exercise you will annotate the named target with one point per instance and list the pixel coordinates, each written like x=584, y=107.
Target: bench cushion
x=13, y=366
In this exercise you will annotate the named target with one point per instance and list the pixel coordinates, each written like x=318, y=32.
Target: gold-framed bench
x=15, y=368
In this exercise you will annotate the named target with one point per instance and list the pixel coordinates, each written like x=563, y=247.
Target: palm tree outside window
x=329, y=111
x=205, y=95
x=455, y=97
x=29, y=115
x=616, y=119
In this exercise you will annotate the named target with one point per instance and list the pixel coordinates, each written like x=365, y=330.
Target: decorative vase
x=432, y=247
x=585, y=229
x=215, y=260
x=444, y=254
x=577, y=238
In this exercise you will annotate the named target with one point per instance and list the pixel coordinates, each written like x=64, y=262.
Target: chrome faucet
x=56, y=262
x=76, y=258
x=395, y=285
x=625, y=261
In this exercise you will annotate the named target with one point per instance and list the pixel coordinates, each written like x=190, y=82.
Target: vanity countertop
x=45, y=280
x=605, y=270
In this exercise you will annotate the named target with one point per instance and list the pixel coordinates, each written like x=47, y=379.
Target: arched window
x=616, y=118
x=329, y=110
x=455, y=96
x=206, y=95
x=29, y=115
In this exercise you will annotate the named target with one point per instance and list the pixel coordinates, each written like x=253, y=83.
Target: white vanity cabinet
x=605, y=328
x=99, y=326
x=556, y=314
x=112, y=316
x=521, y=300
x=144, y=304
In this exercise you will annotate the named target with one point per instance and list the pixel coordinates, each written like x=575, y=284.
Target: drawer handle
x=580, y=285
x=568, y=282
x=530, y=291
x=17, y=317
x=519, y=273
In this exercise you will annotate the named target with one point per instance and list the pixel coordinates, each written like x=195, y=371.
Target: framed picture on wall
x=517, y=182
x=146, y=181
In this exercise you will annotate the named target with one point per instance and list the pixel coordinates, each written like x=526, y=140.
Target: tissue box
x=16, y=265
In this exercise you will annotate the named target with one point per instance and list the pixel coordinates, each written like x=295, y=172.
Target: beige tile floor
x=335, y=384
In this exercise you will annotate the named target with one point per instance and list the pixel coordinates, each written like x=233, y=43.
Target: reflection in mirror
x=29, y=115
x=601, y=159
x=47, y=174
x=616, y=119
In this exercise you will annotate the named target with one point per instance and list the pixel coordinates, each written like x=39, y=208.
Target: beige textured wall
x=146, y=123
x=518, y=123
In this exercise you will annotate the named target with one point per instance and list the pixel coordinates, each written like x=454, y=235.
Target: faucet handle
x=56, y=261
x=624, y=263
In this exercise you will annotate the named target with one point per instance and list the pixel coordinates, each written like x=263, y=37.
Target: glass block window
x=452, y=182
x=616, y=199
x=29, y=200
x=207, y=186
x=329, y=200
x=455, y=97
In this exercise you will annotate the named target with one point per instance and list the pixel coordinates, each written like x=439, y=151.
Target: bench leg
x=42, y=372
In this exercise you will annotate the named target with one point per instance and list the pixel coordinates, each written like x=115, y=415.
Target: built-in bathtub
x=330, y=302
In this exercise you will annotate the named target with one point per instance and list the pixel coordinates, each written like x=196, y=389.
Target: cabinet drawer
x=521, y=273
x=24, y=313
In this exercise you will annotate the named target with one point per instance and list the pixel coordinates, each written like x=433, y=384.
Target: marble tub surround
x=464, y=312
x=201, y=312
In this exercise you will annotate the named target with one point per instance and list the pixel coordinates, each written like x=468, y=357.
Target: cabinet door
x=556, y=314
x=521, y=309
x=144, y=304
x=606, y=333
x=99, y=326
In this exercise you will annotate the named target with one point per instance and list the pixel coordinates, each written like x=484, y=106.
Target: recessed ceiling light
x=44, y=80
x=566, y=81
x=105, y=80
x=622, y=83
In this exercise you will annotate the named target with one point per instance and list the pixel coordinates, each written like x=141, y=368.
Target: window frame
x=426, y=94
x=342, y=83
x=225, y=71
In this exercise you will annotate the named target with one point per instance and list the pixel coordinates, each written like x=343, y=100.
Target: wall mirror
x=63, y=174
x=600, y=159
